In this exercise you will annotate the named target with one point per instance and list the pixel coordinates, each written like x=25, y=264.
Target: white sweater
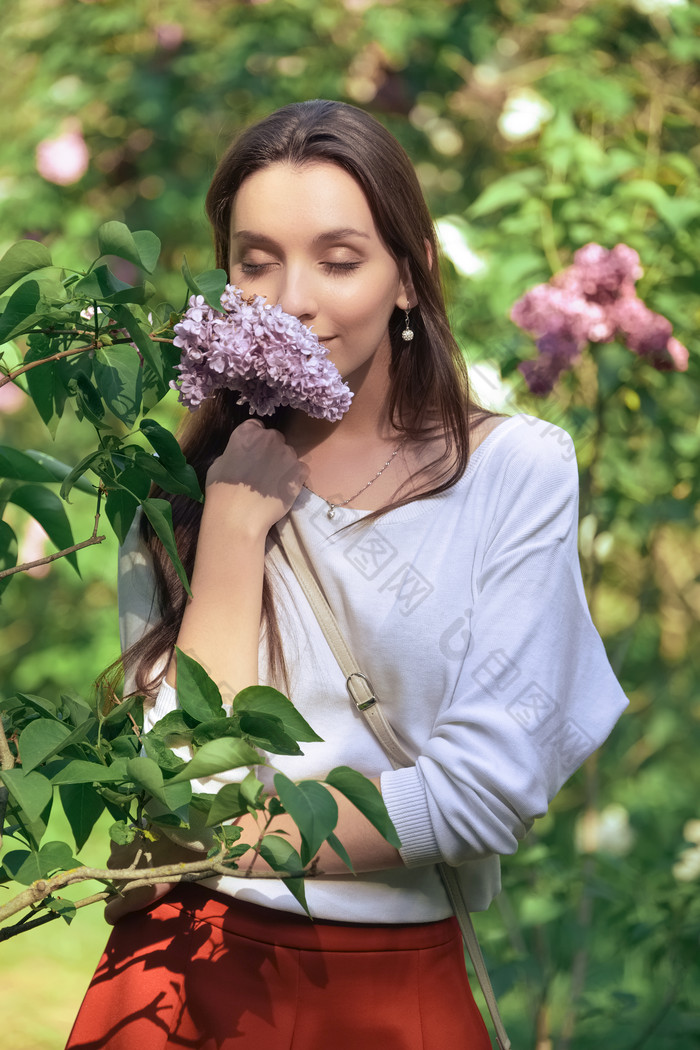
x=467, y=613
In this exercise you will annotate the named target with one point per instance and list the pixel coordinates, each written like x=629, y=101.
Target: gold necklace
x=332, y=507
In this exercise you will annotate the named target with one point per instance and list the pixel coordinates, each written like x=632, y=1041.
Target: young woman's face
x=304, y=237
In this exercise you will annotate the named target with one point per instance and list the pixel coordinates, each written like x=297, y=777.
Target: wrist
x=223, y=513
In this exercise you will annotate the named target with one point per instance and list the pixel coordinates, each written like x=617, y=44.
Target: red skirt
x=202, y=970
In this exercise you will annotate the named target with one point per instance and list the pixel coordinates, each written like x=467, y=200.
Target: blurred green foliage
x=535, y=128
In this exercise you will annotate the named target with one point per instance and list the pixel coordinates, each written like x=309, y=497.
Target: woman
x=459, y=591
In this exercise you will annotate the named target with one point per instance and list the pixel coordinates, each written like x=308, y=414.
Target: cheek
x=368, y=305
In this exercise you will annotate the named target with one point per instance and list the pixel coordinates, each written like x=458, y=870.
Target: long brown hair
x=429, y=390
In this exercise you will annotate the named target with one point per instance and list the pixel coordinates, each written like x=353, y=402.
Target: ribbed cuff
x=165, y=701
x=404, y=797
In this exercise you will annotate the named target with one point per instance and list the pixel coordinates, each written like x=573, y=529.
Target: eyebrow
x=341, y=234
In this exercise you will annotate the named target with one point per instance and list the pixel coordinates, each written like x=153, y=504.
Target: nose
x=297, y=295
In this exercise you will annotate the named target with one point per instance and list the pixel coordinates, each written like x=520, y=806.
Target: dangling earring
x=407, y=334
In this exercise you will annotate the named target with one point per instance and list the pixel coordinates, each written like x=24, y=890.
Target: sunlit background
x=535, y=129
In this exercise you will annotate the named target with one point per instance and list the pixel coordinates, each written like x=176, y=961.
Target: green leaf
x=66, y=909
x=80, y=771
x=122, y=833
x=312, y=808
x=367, y=798
x=118, y=375
x=56, y=856
x=162, y=754
x=31, y=791
x=20, y=259
x=159, y=513
x=46, y=390
x=216, y=729
x=123, y=502
x=171, y=456
x=263, y=700
x=267, y=732
x=101, y=284
x=39, y=704
x=89, y=403
x=58, y=470
x=8, y=552
x=219, y=756
x=76, y=709
x=22, y=866
x=210, y=284
x=83, y=807
x=184, y=482
x=19, y=465
x=197, y=694
x=142, y=248
x=280, y=854
x=677, y=211
x=120, y=711
x=172, y=728
x=251, y=790
x=20, y=313
x=226, y=805
x=93, y=461
x=47, y=509
x=121, y=508
x=148, y=774
x=148, y=246
x=297, y=888
x=126, y=319
x=338, y=847
x=39, y=740
x=145, y=771
x=510, y=189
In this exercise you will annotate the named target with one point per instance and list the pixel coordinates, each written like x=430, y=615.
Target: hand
x=259, y=473
x=154, y=855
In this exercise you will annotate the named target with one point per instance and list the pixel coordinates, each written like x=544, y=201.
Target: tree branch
x=193, y=871
x=60, y=554
x=7, y=761
x=11, y=376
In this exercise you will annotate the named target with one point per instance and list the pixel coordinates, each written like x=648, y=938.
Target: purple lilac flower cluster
x=594, y=300
x=269, y=357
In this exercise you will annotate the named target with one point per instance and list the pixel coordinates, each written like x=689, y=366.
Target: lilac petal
x=269, y=357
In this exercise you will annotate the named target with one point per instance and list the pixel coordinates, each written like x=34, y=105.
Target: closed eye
x=251, y=269
x=258, y=269
x=340, y=267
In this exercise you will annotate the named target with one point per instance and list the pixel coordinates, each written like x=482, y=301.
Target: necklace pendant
x=330, y=513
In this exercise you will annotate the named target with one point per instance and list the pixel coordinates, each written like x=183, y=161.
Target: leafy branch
x=49, y=558
x=95, y=762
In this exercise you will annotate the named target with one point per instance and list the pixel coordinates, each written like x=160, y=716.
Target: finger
x=246, y=434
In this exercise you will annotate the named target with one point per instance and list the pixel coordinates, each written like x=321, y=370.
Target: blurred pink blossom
x=169, y=35
x=594, y=300
x=63, y=160
x=12, y=399
x=32, y=547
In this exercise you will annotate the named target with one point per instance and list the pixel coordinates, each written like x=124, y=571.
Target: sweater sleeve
x=138, y=611
x=536, y=694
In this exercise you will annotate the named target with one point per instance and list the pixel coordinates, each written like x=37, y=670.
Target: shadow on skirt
x=201, y=970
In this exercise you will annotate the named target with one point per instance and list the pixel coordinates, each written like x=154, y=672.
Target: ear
x=407, y=297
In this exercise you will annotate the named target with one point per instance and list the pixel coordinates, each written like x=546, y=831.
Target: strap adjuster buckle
x=361, y=705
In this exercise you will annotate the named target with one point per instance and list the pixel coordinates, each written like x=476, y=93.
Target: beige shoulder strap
x=360, y=689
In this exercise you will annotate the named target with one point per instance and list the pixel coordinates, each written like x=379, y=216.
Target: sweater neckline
x=308, y=502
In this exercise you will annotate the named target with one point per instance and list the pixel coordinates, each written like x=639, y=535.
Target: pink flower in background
x=65, y=159
x=594, y=300
x=265, y=354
